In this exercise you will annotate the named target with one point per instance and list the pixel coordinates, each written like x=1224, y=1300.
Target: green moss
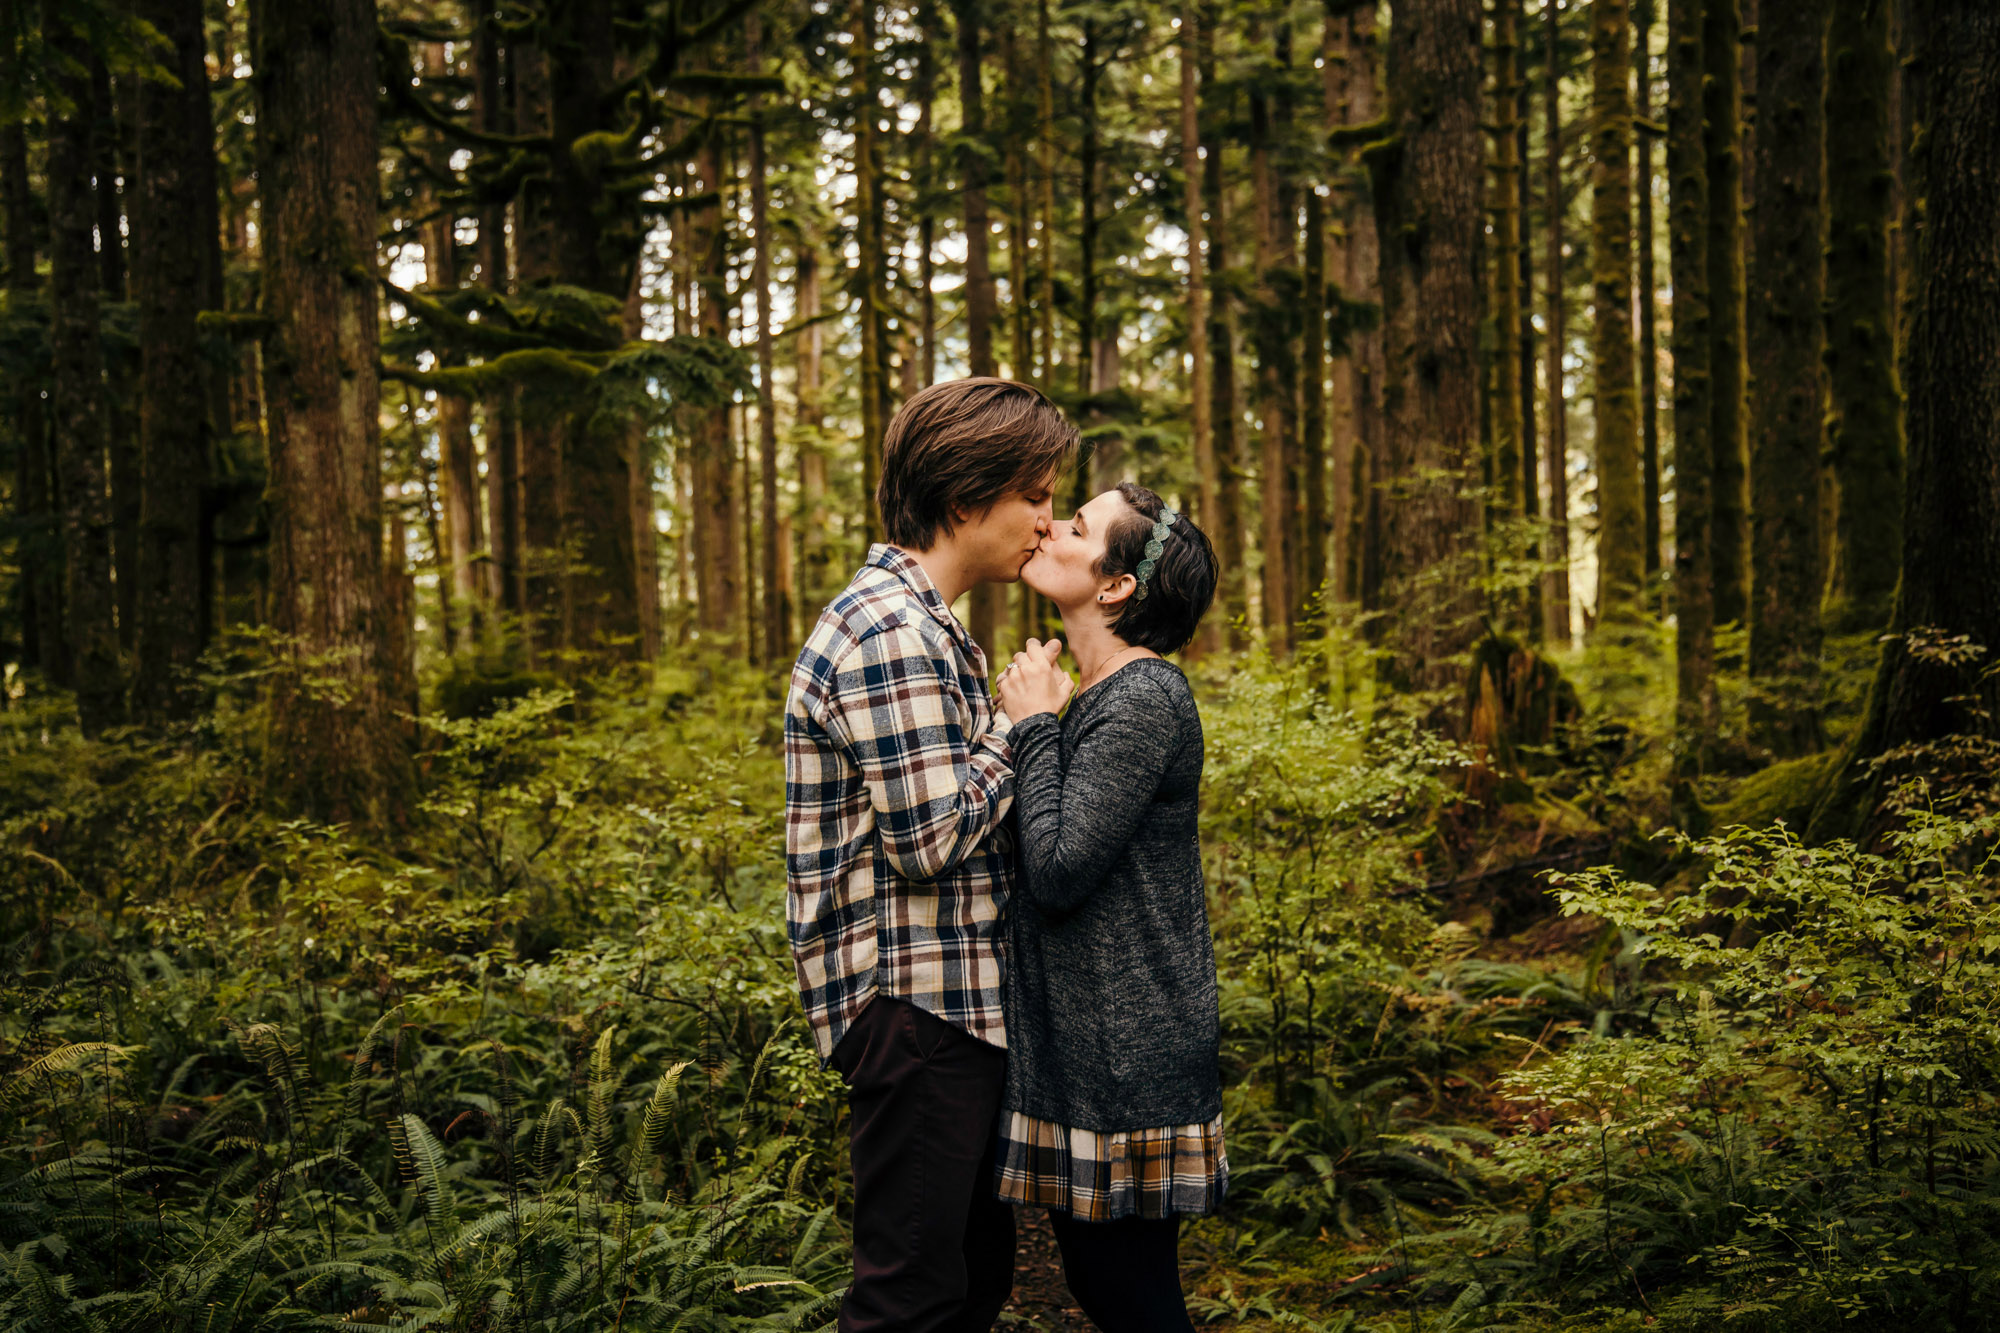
x=1786, y=791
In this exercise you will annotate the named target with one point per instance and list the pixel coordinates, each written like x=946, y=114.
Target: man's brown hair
x=960, y=447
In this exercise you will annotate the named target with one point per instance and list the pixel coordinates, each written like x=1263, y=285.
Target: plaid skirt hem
x=1173, y=1171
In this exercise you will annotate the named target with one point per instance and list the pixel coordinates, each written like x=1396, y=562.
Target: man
x=897, y=781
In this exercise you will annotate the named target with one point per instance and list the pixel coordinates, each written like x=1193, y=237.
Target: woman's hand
x=1034, y=683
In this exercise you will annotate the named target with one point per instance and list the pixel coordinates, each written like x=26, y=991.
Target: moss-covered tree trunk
x=1428, y=175
x=335, y=751
x=76, y=382
x=1555, y=591
x=1722, y=109
x=1621, y=520
x=544, y=612
x=174, y=251
x=1935, y=704
x=1787, y=376
x=1694, y=460
x=1866, y=451
x=816, y=554
x=597, y=239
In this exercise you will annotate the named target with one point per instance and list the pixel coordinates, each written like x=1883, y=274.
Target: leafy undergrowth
x=531, y=1061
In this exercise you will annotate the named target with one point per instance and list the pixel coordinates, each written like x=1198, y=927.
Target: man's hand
x=1034, y=682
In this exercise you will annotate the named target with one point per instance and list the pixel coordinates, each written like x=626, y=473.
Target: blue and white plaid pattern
x=898, y=780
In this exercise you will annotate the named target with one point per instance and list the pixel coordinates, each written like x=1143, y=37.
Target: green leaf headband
x=1154, y=545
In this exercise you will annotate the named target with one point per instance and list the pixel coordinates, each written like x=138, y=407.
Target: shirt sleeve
x=938, y=792
x=1083, y=798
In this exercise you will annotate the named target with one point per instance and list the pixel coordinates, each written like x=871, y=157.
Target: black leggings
x=1125, y=1274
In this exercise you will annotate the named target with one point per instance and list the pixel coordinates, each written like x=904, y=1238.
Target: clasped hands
x=1034, y=682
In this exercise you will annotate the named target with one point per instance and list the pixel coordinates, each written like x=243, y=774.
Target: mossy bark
x=1722, y=29
x=1788, y=385
x=1621, y=524
x=338, y=753
x=38, y=545
x=777, y=611
x=76, y=384
x=1694, y=462
x=1428, y=175
x=717, y=526
x=982, y=302
x=1866, y=452
x=1936, y=710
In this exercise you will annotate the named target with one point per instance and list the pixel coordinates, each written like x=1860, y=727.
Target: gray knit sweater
x=1110, y=994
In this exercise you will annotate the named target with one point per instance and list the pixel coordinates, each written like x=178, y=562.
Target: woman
x=1113, y=1112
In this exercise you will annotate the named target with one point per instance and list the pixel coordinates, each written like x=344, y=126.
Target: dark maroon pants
x=933, y=1249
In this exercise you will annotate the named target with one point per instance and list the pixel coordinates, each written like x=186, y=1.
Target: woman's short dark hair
x=1183, y=579
x=962, y=446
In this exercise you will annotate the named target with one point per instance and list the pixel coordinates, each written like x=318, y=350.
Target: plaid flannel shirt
x=897, y=785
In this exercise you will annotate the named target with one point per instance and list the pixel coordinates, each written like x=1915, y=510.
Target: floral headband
x=1154, y=545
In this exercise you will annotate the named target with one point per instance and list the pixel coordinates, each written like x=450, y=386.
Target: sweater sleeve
x=1081, y=799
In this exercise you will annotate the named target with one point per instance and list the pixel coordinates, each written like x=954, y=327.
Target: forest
x=431, y=427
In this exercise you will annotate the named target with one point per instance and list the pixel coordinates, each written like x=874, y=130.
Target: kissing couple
x=997, y=912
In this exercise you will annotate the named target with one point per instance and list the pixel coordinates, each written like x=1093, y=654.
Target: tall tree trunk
x=76, y=385
x=1694, y=459
x=1428, y=177
x=1867, y=419
x=1556, y=593
x=1648, y=293
x=816, y=555
x=718, y=553
x=39, y=549
x=173, y=251
x=870, y=280
x=1533, y=619
x=1045, y=171
x=777, y=609
x=1729, y=539
x=1199, y=405
x=1232, y=600
x=458, y=464
x=1787, y=384
x=1274, y=334
x=1362, y=374
x=1312, y=418
x=1933, y=705
x=338, y=753
x=1505, y=410
x=493, y=114
x=988, y=601
x=1021, y=353
x=1089, y=71
x=111, y=123
x=540, y=432
x=597, y=247
x=1621, y=524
